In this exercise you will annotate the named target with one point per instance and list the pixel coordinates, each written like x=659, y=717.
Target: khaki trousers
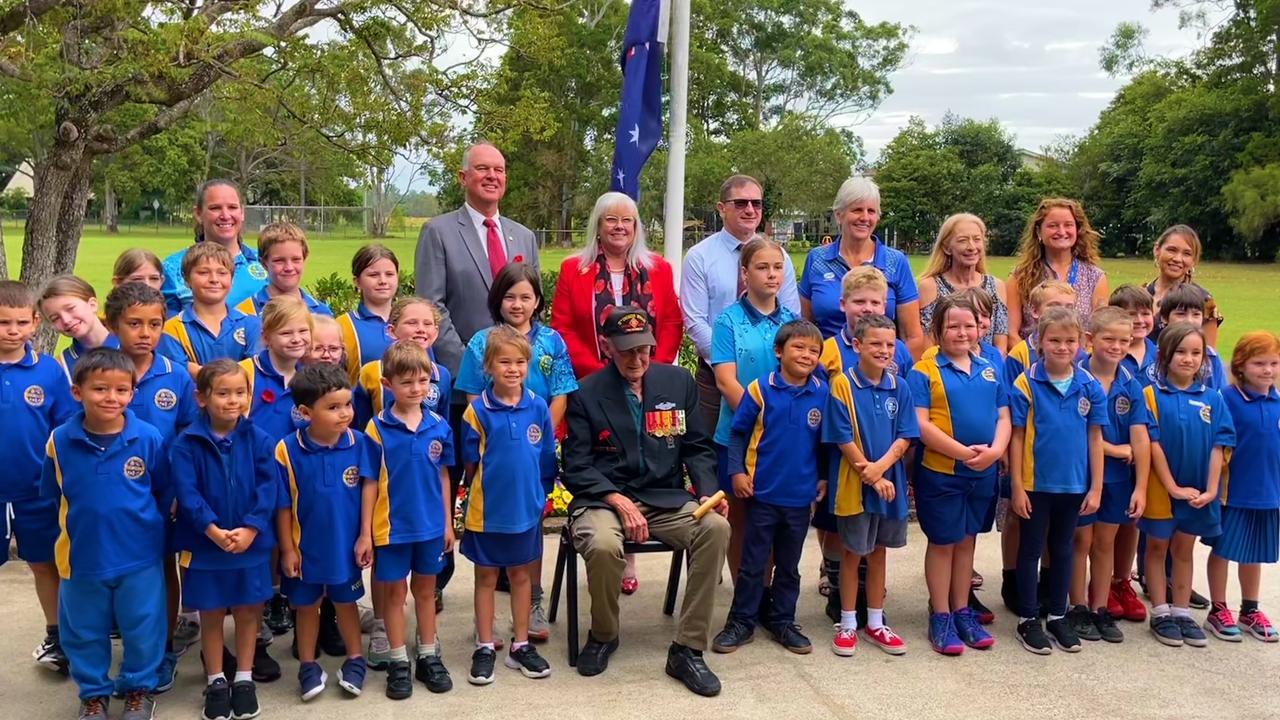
x=597, y=536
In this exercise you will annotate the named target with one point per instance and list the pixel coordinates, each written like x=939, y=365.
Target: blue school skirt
x=1248, y=536
x=501, y=550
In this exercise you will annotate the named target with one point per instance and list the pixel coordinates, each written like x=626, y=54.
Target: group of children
x=1084, y=439
x=226, y=460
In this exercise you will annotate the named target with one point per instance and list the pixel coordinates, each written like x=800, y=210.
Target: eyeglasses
x=323, y=350
x=615, y=220
x=742, y=203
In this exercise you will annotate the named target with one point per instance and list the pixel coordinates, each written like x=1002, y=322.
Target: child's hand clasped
x=743, y=487
x=364, y=551
x=885, y=489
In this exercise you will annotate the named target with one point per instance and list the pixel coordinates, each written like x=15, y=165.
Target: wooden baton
x=706, y=507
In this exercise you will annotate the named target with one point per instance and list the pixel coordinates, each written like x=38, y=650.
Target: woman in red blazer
x=614, y=269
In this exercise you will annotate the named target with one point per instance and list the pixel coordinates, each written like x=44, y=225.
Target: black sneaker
x=1198, y=601
x=527, y=660
x=1106, y=626
x=788, y=635
x=330, y=639
x=399, y=680
x=49, y=655
x=278, y=617
x=1063, y=635
x=482, y=661
x=217, y=701
x=981, y=612
x=687, y=665
x=1081, y=622
x=1032, y=636
x=735, y=634
x=504, y=583
x=228, y=665
x=833, y=605
x=1009, y=591
x=265, y=667
x=431, y=672
x=594, y=658
x=244, y=701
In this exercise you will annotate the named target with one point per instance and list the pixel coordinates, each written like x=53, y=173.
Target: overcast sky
x=1032, y=64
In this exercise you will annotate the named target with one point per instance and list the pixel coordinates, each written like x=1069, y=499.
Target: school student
x=365, y=333
x=208, y=328
x=283, y=251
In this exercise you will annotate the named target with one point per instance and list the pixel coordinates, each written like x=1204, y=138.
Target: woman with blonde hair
x=959, y=262
x=1057, y=244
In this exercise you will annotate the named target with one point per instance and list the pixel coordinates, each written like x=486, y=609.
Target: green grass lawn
x=1248, y=295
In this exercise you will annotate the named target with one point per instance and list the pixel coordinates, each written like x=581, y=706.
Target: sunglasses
x=742, y=203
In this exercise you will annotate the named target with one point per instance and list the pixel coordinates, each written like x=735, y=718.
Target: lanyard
x=1072, y=274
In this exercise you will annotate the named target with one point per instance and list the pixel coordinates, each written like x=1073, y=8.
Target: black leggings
x=1052, y=523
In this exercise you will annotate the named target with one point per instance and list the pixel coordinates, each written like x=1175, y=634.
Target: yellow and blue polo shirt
x=35, y=398
x=838, y=355
x=253, y=304
x=1145, y=371
x=111, y=501
x=965, y=406
x=1126, y=409
x=168, y=346
x=874, y=416
x=247, y=277
x=411, y=501
x=1055, y=449
x=988, y=351
x=1251, y=478
x=365, y=337
x=237, y=338
x=1188, y=424
x=369, y=396
x=270, y=403
x=513, y=448
x=165, y=397
x=775, y=437
x=321, y=488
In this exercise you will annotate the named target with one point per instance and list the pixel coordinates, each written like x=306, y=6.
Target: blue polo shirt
x=550, y=371
x=365, y=337
x=1188, y=424
x=1145, y=371
x=1126, y=409
x=989, y=352
x=369, y=396
x=230, y=482
x=875, y=416
x=112, y=501
x=838, y=355
x=168, y=347
x=166, y=397
x=822, y=283
x=1252, y=477
x=35, y=398
x=270, y=403
x=513, y=449
x=322, y=489
x=1055, y=448
x=253, y=304
x=237, y=338
x=743, y=335
x=407, y=463
x=965, y=406
x=247, y=277
x=775, y=438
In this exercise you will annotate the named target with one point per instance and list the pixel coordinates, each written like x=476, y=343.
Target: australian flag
x=640, y=114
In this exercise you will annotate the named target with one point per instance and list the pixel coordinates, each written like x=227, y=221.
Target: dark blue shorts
x=1114, y=507
x=204, y=589
x=1204, y=523
x=953, y=507
x=35, y=523
x=305, y=594
x=499, y=550
x=393, y=563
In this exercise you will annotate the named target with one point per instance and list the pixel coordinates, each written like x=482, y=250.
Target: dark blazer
x=606, y=453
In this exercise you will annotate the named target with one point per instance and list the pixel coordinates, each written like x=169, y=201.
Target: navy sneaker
x=1166, y=630
x=244, y=701
x=311, y=680
x=217, y=700
x=969, y=629
x=482, y=662
x=167, y=673
x=351, y=677
x=1191, y=633
x=527, y=660
x=735, y=634
x=1063, y=635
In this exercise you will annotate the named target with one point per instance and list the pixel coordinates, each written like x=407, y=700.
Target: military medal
x=680, y=425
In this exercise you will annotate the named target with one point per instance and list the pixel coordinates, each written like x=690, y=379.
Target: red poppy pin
x=518, y=258
x=268, y=396
x=604, y=435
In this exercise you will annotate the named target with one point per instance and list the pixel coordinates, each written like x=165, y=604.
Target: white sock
x=1182, y=612
x=425, y=649
x=848, y=619
x=244, y=676
x=1158, y=610
x=484, y=645
x=213, y=678
x=1053, y=617
x=875, y=618
x=517, y=644
x=399, y=653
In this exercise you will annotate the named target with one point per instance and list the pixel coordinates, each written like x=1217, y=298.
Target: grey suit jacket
x=451, y=270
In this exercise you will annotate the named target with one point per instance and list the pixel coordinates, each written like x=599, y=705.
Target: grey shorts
x=862, y=534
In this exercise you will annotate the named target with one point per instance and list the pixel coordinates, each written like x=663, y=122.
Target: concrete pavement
x=1137, y=679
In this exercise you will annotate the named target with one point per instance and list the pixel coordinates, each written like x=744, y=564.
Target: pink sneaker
x=886, y=639
x=1257, y=624
x=845, y=643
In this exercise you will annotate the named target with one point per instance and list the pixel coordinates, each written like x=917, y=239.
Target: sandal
x=630, y=585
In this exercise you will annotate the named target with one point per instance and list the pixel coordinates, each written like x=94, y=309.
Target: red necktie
x=493, y=241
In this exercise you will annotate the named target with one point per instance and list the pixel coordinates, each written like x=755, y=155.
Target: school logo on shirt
x=815, y=418
x=34, y=396
x=296, y=415
x=435, y=450
x=828, y=276
x=1206, y=413
x=1084, y=406
x=892, y=367
x=165, y=399
x=891, y=407
x=1122, y=405
x=534, y=433
x=989, y=374
x=257, y=272
x=433, y=395
x=134, y=468
x=1151, y=373
x=351, y=476
x=239, y=336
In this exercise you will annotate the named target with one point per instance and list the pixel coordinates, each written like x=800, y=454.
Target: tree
x=1253, y=202
x=800, y=162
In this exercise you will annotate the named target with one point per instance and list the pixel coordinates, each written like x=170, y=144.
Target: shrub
x=337, y=290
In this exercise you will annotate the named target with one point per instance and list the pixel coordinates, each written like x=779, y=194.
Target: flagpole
x=673, y=226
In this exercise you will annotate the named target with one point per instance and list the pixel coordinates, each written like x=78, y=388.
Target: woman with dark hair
x=219, y=216
x=1177, y=252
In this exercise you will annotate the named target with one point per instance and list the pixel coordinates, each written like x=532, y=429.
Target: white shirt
x=477, y=219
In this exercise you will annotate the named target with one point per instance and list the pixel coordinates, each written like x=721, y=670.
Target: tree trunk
x=110, y=211
x=71, y=215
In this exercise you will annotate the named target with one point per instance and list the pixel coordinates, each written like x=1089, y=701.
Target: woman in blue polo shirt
x=857, y=210
x=219, y=215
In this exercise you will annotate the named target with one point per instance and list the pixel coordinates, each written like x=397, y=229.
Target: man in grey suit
x=460, y=252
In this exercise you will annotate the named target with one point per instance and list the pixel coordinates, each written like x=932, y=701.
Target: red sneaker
x=1114, y=606
x=886, y=639
x=1132, y=608
x=845, y=643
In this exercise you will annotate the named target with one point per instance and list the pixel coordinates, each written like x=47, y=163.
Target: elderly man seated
x=634, y=429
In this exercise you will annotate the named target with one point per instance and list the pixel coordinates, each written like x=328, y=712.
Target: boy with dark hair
x=1185, y=303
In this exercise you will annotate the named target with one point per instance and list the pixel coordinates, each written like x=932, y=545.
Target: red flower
x=518, y=258
x=599, y=287
x=268, y=396
x=604, y=435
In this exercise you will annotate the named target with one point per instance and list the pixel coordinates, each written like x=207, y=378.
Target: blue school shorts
x=499, y=550
x=305, y=594
x=1204, y=522
x=204, y=589
x=953, y=507
x=1114, y=507
x=393, y=563
x=35, y=523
